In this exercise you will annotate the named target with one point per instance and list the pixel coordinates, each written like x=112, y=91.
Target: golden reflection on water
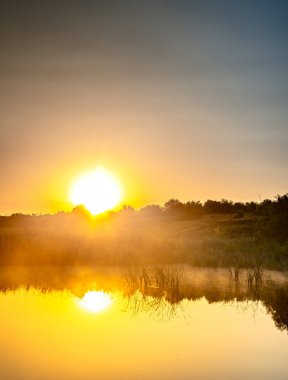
x=51, y=336
x=95, y=301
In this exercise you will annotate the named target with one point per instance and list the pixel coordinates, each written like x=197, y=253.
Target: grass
x=158, y=281
x=211, y=241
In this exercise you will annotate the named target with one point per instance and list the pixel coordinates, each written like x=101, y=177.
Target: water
x=108, y=335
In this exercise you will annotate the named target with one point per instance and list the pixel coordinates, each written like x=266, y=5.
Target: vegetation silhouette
x=162, y=290
x=213, y=234
x=164, y=298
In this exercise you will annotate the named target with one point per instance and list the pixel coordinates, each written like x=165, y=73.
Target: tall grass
x=158, y=281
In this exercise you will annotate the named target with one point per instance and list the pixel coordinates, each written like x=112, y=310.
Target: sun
x=97, y=190
x=95, y=301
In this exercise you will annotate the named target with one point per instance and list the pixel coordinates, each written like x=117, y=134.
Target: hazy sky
x=183, y=99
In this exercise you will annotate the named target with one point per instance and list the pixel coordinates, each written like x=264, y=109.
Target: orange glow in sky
x=202, y=116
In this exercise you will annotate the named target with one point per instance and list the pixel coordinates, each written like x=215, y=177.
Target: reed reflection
x=160, y=291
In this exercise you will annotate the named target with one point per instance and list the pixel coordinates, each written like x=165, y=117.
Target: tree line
x=196, y=209
x=271, y=216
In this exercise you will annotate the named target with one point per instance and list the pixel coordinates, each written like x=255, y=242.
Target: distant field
x=220, y=240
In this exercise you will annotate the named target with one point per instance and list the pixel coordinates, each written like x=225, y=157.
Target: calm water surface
x=56, y=335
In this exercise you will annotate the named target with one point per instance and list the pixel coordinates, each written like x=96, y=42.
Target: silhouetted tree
x=151, y=210
x=251, y=207
x=216, y=207
x=274, y=223
x=184, y=211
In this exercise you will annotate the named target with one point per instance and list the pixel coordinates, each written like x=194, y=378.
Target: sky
x=178, y=99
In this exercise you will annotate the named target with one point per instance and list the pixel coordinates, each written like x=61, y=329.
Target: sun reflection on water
x=95, y=301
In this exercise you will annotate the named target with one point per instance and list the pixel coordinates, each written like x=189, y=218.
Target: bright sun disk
x=97, y=190
x=95, y=301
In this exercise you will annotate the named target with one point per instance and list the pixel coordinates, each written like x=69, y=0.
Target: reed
x=157, y=281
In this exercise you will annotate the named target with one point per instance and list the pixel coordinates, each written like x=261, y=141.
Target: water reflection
x=53, y=335
x=273, y=297
x=158, y=291
x=158, y=308
x=95, y=301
